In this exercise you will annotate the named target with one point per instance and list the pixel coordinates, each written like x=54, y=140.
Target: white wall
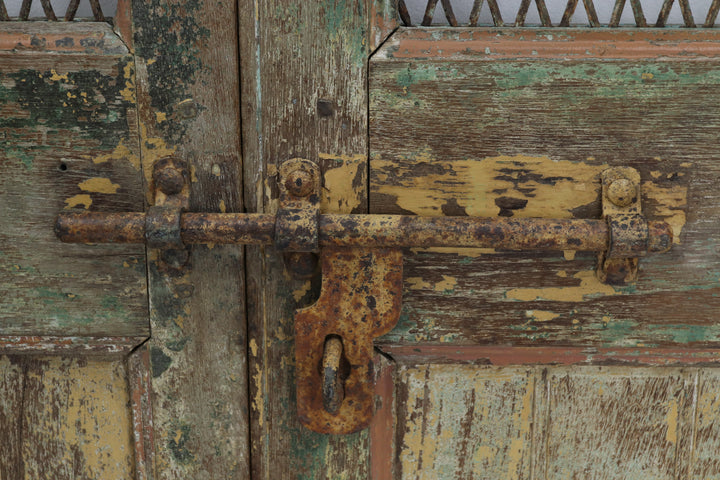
x=509, y=9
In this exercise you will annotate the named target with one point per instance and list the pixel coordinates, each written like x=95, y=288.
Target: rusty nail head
x=169, y=179
x=299, y=183
x=187, y=108
x=622, y=192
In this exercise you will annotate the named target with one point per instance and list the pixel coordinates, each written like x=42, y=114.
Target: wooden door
x=502, y=366
x=114, y=367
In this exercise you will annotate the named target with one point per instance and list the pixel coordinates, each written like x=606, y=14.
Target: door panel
x=473, y=122
x=64, y=418
x=304, y=96
x=70, y=133
x=520, y=123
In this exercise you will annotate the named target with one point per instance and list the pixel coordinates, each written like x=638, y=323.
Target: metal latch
x=361, y=263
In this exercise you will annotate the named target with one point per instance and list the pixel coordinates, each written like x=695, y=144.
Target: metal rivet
x=299, y=183
x=187, y=109
x=622, y=192
x=169, y=179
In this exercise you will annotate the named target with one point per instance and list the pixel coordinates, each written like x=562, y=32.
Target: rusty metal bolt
x=299, y=183
x=622, y=192
x=169, y=179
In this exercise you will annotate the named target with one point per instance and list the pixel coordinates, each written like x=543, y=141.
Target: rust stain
x=99, y=185
x=589, y=287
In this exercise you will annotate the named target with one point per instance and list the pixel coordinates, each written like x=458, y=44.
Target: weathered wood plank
x=613, y=422
x=188, y=101
x=64, y=418
x=464, y=421
x=70, y=140
x=705, y=462
x=487, y=123
x=304, y=95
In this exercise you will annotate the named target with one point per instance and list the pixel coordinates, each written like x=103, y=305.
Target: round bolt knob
x=622, y=192
x=169, y=179
x=299, y=183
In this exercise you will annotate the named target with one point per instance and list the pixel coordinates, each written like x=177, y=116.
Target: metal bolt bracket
x=171, y=189
x=630, y=235
x=297, y=219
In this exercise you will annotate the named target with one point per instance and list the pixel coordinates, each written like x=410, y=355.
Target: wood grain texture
x=70, y=140
x=464, y=421
x=64, y=418
x=607, y=423
x=705, y=462
x=304, y=95
x=188, y=101
x=589, y=422
x=488, y=123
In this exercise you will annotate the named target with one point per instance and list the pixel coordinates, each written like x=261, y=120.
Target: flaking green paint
x=178, y=443
x=88, y=102
x=168, y=36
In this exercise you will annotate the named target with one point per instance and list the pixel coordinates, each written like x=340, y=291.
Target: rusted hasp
x=360, y=300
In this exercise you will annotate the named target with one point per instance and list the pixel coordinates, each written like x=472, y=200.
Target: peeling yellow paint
x=561, y=274
x=121, y=152
x=447, y=283
x=671, y=419
x=541, y=315
x=152, y=149
x=670, y=204
x=418, y=283
x=551, y=188
x=128, y=93
x=339, y=195
x=83, y=199
x=253, y=347
x=56, y=77
x=99, y=185
x=258, y=400
x=589, y=286
x=223, y=209
x=160, y=117
x=299, y=293
x=85, y=406
x=569, y=254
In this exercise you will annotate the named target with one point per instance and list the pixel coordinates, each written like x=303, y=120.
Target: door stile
x=304, y=88
x=188, y=106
